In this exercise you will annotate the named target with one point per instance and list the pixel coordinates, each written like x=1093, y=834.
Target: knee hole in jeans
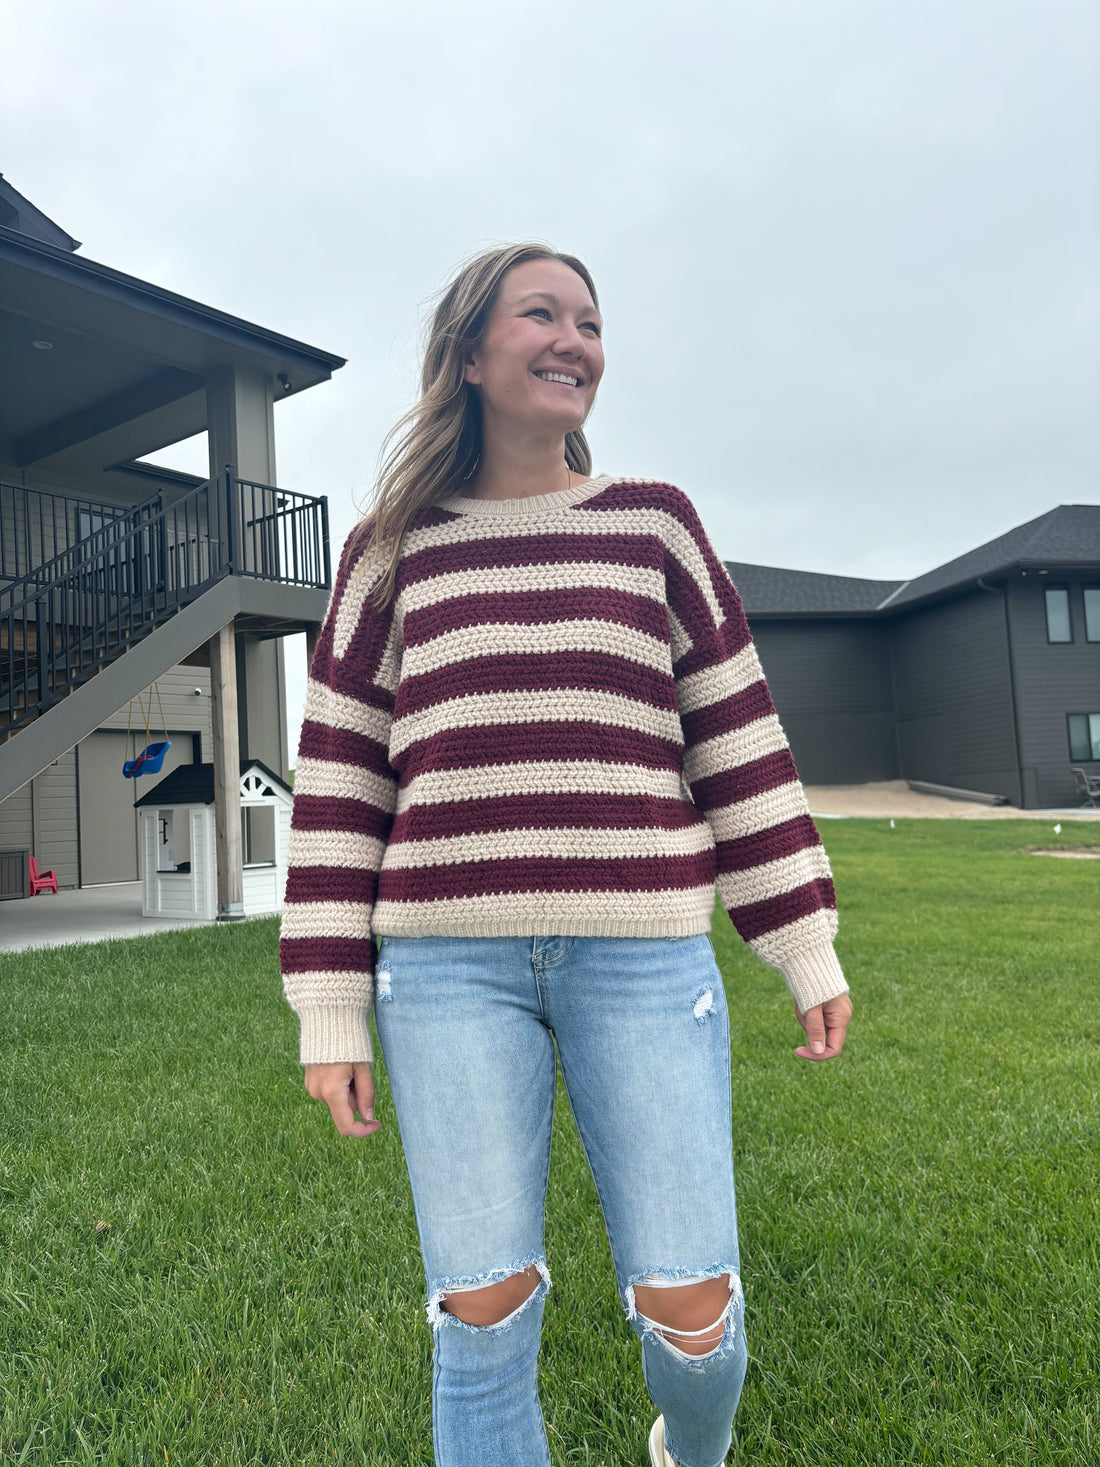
x=692, y=1318
x=492, y=1303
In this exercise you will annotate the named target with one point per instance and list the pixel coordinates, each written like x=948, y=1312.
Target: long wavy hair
x=436, y=446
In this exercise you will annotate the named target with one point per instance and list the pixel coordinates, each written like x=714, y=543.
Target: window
x=1084, y=736
x=1092, y=613
x=1058, y=625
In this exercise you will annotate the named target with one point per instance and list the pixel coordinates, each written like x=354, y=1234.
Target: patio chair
x=41, y=880
x=1088, y=787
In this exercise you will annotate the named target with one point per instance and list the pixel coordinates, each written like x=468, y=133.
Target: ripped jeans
x=468, y=1027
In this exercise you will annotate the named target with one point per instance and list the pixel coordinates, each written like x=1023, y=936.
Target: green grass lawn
x=194, y=1268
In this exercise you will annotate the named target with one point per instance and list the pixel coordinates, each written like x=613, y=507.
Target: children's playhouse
x=179, y=864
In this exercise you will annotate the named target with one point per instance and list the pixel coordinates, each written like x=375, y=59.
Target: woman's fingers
x=826, y=1026
x=345, y=1089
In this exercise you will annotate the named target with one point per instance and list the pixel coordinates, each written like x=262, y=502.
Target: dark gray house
x=983, y=674
x=121, y=580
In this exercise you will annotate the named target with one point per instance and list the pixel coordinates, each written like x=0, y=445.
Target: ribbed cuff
x=813, y=976
x=333, y=1036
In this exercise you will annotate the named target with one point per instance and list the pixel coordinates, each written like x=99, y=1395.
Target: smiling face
x=540, y=360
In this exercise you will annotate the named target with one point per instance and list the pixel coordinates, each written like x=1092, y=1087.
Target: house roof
x=17, y=212
x=1064, y=538
x=101, y=367
x=771, y=589
x=193, y=784
x=1067, y=536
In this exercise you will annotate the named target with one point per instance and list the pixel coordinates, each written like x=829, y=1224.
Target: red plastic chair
x=41, y=880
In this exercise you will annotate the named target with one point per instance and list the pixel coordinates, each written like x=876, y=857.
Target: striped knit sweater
x=558, y=726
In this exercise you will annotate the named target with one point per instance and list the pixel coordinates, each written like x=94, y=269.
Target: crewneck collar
x=529, y=504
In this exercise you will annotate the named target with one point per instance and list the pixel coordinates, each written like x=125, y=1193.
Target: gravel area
x=893, y=797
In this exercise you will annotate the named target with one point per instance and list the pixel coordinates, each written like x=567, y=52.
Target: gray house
x=128, y=591
x=983, y=674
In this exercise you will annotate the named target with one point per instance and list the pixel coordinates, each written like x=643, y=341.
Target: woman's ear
x=471, y=372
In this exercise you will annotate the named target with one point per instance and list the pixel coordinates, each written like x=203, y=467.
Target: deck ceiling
x=126, y=370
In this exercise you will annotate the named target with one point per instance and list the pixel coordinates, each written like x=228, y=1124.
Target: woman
x=536, y=737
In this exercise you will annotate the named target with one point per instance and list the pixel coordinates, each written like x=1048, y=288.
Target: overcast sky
x=847, y=250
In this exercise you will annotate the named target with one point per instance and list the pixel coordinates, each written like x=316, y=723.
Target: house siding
x=1051, y=681
x=953, y=695
x=39, y=817
x=182, y=710
x=830, y=681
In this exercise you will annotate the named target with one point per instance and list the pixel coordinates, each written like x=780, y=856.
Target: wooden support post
x=313, y=632
x=227, y=775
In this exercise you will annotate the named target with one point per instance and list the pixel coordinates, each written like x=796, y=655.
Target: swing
x=151, y=758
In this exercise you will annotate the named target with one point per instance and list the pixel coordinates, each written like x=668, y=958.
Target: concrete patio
x=89, y=915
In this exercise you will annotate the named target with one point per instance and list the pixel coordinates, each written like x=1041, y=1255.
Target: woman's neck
x=505, y=473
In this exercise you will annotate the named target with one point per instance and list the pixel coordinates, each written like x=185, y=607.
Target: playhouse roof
x=193, y=784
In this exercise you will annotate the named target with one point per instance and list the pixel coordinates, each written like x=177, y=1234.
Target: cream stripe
x=480, y=710
x=328, y=985
x=337, y=710
x=794, y=938
x=329, y=779
x=326, y=919
x=570, y=842
x=758, y=812
x=773, y=878
x=365, y=575
x=547, y=777
x=510, y=638
x=678, y=634
x=538, y=525
x=637, y=580
x=729, y=750
x=536, y=912
x=701, y=689
x=349, y=849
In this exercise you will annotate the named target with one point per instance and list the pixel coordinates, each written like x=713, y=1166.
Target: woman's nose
x=570, y=342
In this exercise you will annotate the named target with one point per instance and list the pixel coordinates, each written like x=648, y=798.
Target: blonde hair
x=436, y=446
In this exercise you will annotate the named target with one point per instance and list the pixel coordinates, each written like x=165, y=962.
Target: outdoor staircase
x=154, y=582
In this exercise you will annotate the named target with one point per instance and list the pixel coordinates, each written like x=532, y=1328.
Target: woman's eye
x=593, y=327
x=540, y=311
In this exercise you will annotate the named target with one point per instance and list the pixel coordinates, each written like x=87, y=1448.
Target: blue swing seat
x=149, y=761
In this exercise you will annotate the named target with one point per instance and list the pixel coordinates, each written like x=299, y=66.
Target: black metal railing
x=66, y=619
x=37, y=525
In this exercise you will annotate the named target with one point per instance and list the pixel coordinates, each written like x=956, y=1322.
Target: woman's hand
x=825, y=1026
x=345, y=1089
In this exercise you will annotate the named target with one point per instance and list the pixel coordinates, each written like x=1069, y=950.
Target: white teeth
x=559, y=377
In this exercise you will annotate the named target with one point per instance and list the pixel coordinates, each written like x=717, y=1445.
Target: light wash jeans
x=468, y=1027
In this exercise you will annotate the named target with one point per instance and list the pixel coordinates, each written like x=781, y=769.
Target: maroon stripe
x=757, y=777
x=728, y=714
x=330, y=884
x=542, y=812
x=475, y=747
x=633, y=495
x=334, y=812
x=321, y=741
x=547, y=672
x=760, y=917
x=500, y=551
x=340, y=954
x=785, y=839
x=537, y=608
x=547, y=874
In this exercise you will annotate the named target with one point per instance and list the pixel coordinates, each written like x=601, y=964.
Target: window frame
x=1085, y=603
x=1058, y=641
x=1090, y=757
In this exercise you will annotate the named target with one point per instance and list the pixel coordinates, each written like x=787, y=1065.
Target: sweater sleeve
x=773, y=874
x=344, y=797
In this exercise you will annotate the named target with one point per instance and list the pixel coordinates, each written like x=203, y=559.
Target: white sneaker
x=658, y=1457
